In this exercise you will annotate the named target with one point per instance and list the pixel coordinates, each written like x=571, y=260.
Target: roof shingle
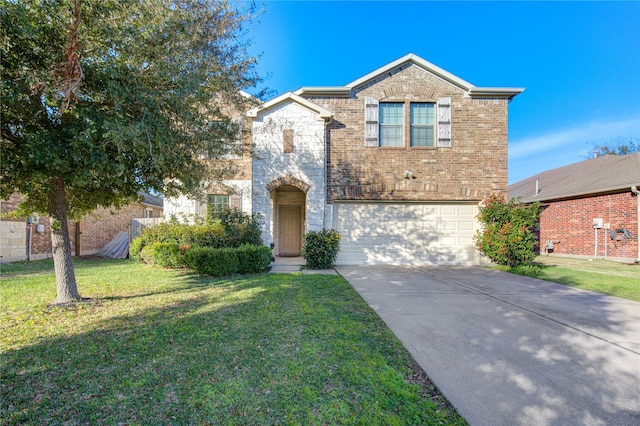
x=607, y=173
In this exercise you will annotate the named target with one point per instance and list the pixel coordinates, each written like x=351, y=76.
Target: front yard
x=155, y=346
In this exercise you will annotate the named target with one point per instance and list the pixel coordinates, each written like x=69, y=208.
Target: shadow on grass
x=260, y=349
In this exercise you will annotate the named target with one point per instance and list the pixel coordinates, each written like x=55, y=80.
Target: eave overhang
x=495, y=92
x=337, y=91
x=291, y=97
x=575, y=195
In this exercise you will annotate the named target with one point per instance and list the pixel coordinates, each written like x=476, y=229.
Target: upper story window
x=422, y=124
x=428, y=123
x=391, y=123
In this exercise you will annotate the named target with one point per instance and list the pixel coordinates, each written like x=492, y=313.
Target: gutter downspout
x=30, y=237
x=635, y=190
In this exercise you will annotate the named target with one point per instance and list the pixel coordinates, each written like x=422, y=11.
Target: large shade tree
x=103, y=99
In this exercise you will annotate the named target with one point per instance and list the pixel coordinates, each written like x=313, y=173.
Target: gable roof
x=291, y=97
x=404, y=62
x=604, y=174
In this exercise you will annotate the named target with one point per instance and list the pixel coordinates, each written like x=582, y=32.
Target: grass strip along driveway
x=154, y=346
x=601, y=276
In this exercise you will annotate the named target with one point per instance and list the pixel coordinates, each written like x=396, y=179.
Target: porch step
x=284, y=269
x=290, y=269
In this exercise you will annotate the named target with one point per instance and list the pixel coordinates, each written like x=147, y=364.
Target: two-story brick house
x=397, y=161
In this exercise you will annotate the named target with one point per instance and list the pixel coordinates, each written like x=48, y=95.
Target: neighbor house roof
x=404, y=62
x=604, y=174
x=151, y=200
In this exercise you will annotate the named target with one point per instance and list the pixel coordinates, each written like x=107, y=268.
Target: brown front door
x=289, y=235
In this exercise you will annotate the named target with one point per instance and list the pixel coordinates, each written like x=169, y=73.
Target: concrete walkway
x=511, y=350
x=288, y=265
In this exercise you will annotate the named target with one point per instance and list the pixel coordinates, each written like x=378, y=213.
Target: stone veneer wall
x=184, y=208
x=306, y=162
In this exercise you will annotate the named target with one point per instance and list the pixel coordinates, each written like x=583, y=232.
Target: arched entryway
x=289, y=220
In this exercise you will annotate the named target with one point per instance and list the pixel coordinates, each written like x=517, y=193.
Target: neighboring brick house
x=590, y=208
x=88, y=235
x=397, y=161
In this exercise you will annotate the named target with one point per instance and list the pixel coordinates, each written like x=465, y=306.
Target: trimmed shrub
x=169, y=255
x=253, y=258
x=147, y=256
x=321, y=248
x=507, y=237
x=215, y=262
x=209, y=235
x=227, y=228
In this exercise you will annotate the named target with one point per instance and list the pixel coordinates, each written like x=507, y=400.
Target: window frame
x=431, y=117
x=383, y=126
x=218, y=205
x=373, y=124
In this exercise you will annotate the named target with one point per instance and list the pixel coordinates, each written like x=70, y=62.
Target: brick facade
x=569, y=224
x=96, y=230
x=474, y=166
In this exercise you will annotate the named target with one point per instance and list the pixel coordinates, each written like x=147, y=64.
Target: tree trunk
x=65, y=275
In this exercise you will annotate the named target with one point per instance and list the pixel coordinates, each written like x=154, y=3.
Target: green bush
x=215, y=262
x=321, y=248
x=169, y=255
x=147, y=256
x=253, y=258
x=239, y=227
x=227, y=228
x=507, y=237
x=208, y=235
x=135, y=248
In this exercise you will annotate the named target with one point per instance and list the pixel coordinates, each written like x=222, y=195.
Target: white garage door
x=406, y=233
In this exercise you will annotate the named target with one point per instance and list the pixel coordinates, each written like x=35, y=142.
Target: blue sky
x=578, y=61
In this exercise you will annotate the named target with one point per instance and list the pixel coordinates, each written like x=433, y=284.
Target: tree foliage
x=507, y=237
x=619, y=146
x=103, y=99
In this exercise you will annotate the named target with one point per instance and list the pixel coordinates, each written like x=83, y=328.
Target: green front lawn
x=169, y=347
x=601, y=276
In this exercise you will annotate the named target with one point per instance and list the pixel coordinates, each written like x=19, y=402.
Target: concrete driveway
x=511, y=350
